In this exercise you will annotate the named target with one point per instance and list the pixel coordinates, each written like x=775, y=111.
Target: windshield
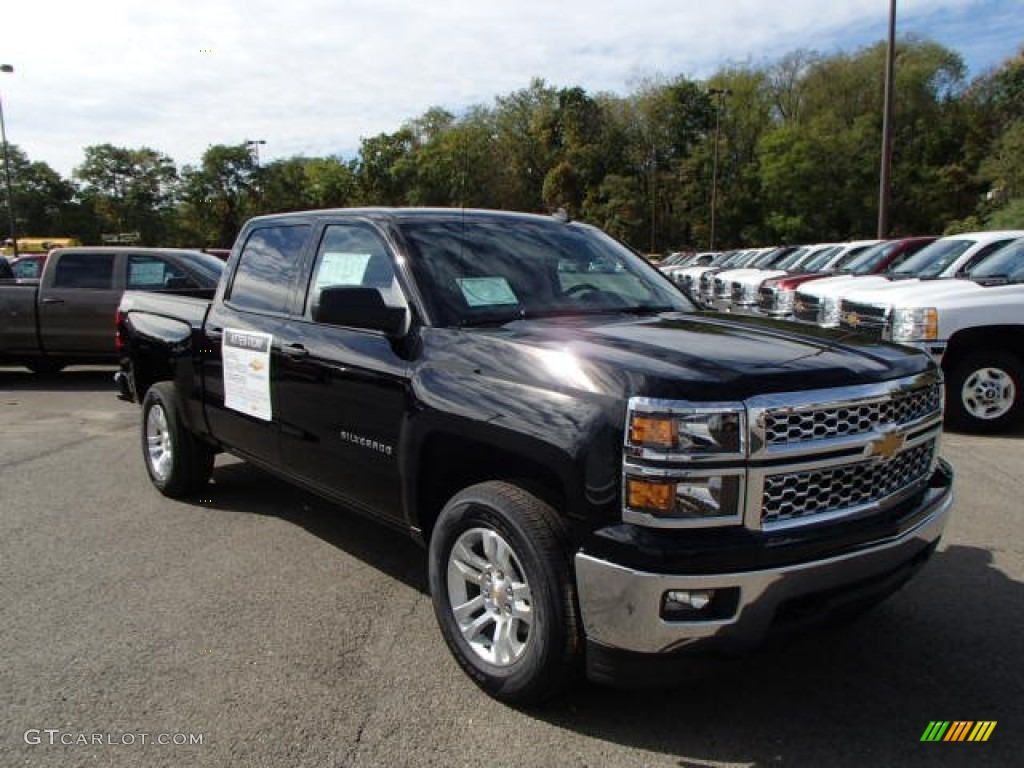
x=819, y=259
x=1007, y=262
x=794, y=258
x=493, y=270
x=210, y=268
x=865, y=261
x=933, y=259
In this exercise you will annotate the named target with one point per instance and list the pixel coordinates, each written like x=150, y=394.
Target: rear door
x=77, y=302
x=243, y=361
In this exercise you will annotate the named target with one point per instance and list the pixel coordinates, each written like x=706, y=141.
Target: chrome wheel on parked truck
x=502, y=591
x=984, y=392
x=178, y=464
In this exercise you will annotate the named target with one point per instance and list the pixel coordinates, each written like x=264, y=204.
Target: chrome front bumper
x=622, y=608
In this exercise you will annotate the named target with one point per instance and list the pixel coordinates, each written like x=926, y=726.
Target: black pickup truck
x=66, y=316
x=604, y=476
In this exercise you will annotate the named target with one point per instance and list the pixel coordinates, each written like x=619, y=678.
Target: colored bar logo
x=958, y=730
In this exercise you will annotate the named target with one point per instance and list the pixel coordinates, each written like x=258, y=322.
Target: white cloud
x=314, y=77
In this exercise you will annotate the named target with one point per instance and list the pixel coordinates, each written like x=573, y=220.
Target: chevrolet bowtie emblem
x=887, y=446
x=852, y=319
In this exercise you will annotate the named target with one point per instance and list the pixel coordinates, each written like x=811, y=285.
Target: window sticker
x=246, y=356
x=341, y=269
x=486, y=291
x=146, y=273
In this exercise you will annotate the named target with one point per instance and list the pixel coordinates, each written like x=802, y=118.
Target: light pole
x=884, y=180
x=719, y=93
x=7, y=169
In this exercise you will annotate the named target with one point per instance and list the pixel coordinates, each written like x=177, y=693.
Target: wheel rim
x=988, y=393
x=159, y=447
x=490, y=597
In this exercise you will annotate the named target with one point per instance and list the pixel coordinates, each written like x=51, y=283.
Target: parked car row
x=961, y=298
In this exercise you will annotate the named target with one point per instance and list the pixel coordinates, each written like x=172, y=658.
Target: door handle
x=295, y=351
x=51, y=300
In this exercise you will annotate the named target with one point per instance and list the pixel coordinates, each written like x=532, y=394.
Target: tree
x=129, y=190
x=219, y=195
x=43, y=201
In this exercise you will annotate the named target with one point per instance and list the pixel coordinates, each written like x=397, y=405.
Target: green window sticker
x=487, y=291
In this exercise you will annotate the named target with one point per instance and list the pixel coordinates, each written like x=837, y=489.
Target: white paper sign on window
x=246, y=357
x=341, y=269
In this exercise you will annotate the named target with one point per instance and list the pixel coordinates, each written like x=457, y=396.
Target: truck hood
x=841, y=285
x=945, y=293
x=699, y=356
x=910, y=292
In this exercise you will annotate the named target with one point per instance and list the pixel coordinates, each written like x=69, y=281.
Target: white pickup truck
x=974, y=327
x=818, y=301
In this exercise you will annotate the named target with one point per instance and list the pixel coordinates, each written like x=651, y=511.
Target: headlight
x=687, y=440
x=783, y=301
x=828, y=313
x=662, y=430
x=914, y=324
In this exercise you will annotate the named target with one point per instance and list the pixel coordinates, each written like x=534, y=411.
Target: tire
x=179, y=465
x=44, y=366
x=983, y=392
x=503, y=593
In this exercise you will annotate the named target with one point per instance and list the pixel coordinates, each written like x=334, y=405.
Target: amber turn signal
x=653, y=497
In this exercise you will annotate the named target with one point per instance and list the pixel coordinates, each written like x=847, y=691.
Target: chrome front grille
x=806, y=308
x=783, y=426
x=864, y=318
x=835, y=491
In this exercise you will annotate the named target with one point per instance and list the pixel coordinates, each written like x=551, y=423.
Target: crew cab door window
x=152, y=272
x=353, y=255
x=268, y=268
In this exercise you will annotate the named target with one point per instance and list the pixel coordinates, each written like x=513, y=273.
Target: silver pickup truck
x=67, y=315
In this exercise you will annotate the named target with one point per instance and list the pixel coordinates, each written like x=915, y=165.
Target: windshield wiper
x=986, y=280
x=492, y=318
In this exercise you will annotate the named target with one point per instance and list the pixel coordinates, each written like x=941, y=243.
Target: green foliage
x=128, y=190
x=791, y=150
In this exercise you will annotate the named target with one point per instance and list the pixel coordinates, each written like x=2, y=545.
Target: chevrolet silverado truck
x=973, y=327
x=67, y=315
x=605, y=479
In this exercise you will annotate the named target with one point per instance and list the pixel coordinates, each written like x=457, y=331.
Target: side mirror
x=358, y=307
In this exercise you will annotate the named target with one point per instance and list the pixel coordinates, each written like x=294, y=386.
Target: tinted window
x=151, y=272
x=267, y=268
x=85, y=270
x=353, y=255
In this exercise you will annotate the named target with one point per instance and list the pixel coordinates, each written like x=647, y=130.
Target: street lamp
x=7, y=168
x=253, y=145
x=885, y=174
x=719, y=93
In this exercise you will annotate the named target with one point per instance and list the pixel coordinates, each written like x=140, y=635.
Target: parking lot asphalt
x=278, y=630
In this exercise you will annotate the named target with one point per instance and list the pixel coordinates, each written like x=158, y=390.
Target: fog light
x=693, y=600
x=719, y=604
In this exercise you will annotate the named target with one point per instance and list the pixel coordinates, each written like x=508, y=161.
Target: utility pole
x=884, y=176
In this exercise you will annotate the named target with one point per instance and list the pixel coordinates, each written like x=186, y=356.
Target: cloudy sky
x=314, y=76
